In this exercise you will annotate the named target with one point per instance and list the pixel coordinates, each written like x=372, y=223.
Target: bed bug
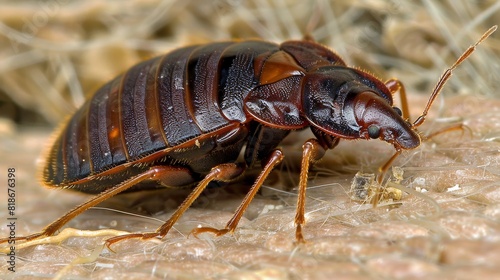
x=182, y=119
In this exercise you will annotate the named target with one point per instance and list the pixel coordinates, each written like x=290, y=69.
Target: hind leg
x=166, y=174
x=222, y=172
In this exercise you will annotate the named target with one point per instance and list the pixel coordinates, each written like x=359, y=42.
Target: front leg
x=312, y=151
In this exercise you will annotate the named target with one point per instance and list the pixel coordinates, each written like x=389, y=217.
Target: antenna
x=447, y=75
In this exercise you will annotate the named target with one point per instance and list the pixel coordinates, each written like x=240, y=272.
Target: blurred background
x=55, y=53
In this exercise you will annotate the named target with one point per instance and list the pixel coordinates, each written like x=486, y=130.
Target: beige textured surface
x=452, y=231
x=459, y=238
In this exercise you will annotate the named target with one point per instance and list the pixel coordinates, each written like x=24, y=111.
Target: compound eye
x=373, y=131
x=398, y=111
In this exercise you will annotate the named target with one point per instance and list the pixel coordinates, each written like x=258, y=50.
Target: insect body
x=183, y=118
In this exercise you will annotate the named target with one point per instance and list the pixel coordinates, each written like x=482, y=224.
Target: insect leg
x=223, y=172
x=154, y=173
x=275, y=158
x=394, y=85
x=381, y=174
x=312, y=151
x=462, y=127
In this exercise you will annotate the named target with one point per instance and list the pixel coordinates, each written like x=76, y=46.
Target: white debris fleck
x=419, y=181
x=268, y=208
x=178, y=83
x=454, y=188
x=104, y=265
x=422, y=190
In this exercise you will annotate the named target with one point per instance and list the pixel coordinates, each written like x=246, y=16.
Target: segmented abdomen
x=159, y=103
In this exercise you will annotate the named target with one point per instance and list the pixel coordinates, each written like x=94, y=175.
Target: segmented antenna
x=447, y=75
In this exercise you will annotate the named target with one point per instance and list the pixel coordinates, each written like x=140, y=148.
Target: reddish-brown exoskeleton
x=183, y=118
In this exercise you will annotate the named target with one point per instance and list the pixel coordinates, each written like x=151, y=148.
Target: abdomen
x=155, y=106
